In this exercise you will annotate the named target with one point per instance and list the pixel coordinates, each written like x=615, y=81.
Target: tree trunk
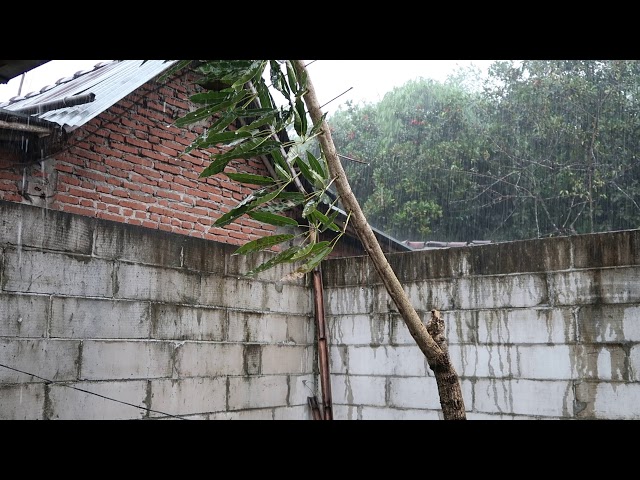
x=447, y=379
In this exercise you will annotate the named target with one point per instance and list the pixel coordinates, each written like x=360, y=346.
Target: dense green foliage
x=245, y=122
x=542, y=148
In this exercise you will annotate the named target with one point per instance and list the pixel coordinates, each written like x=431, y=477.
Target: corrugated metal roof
x=109, y=82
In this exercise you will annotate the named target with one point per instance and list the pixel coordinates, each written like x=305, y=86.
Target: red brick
x=109, y=216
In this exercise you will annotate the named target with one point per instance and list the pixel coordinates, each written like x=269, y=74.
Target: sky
x=363, y=80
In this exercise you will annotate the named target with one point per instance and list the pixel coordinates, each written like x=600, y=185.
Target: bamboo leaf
x=263, y=243
x=250, y=178
x=315, y=164
x=304, y=169
x=273, y=219
x=310, y=249
x=311, y=264
x=282, y=257
x=282, y=174
x=324, y=220
x=215, y=167
x=291, y=78
x=231, y=215
x=301, y=116
x=309, y=207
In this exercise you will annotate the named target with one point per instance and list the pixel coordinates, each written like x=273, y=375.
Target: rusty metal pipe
x=323, y=349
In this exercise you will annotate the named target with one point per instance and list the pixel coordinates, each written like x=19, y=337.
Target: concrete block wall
x=540, y=329
x=103, y=320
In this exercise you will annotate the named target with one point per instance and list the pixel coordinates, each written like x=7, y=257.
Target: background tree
x=543, y=148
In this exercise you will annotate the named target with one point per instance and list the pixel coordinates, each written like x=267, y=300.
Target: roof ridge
x=60, y=81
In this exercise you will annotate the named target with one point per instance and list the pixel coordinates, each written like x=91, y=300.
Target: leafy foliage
x=245, y=123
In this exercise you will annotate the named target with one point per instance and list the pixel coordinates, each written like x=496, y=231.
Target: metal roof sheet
x=108, y=81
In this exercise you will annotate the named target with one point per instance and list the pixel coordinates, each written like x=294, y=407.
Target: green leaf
x=211, y=97
x=282, y=174
x=251, y=202
x=251, y=148
x=309, y=207
x=215, y=138
x=310, y=249
x=210, y=110
x=282, y=257
x=231, y=215
x=273, y=219
x=291, y=78
x=296, y=197
x=214, y=167
x=254, y=70
x=223, y=122
x=313, y=262
x=326, y=221
x=314, y=163
x=305, y=170
x=263, y=243
x=250, y=178
x=300, y=122
x=267, y=119
x=196, y=116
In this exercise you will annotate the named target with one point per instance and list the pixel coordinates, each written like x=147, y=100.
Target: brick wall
x=126, y=165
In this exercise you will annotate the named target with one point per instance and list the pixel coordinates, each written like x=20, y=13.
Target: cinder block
x=301, y=387
x=188, y=396
x=199, y=359
x=52, y=273
x=348, y=300
x=526, y=326
x=505, y=291
x=372, y=329
x=258, y=392
x=116, y=241
x=291, y=359
x=634, y=363
x=609, y=285
x=29, y=226
x=300, y=412
x=386, y=360
x=358, y=390
x=414, y=392
x=609, y=400
x=73, y=317
x=142, y=282
x=543, y=398
x=23, y=315
x=125, y=360
x=98, y=401
x=374, y=413
x=427, y=296
x=41, y=360
x=609, y=323
x=256, y=414
x=25, y=401
x=257, y=327
x=249, y=294
x=179, y=322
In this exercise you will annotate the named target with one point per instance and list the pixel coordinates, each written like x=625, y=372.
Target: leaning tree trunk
x=447, y=379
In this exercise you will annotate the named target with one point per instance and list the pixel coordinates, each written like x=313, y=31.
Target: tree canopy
x=544, y=147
